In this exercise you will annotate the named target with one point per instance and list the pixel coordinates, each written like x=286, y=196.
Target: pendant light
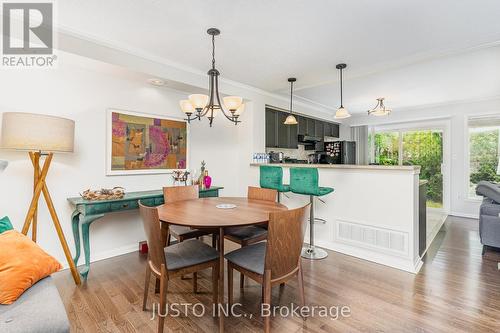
x=291, y=120
x=380, y=109
x=341, y=112
x=209, y=105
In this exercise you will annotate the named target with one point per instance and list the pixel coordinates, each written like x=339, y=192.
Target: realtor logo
x=27, y=29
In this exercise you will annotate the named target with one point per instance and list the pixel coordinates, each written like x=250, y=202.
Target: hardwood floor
x=457, y=290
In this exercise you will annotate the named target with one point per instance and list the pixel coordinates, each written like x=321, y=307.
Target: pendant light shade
x=380, y=109
x=341, y=112
x=290, y=119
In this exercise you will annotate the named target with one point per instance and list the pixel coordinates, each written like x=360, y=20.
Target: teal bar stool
x=272, y=177
x=305, y=181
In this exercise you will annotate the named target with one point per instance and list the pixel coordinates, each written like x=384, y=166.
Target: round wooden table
x=203, y=213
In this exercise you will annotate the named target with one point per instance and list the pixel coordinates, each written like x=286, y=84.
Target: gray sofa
x=489, y=214
x=38, y=310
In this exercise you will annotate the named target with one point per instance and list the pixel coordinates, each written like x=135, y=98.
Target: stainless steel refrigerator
x=340, y=152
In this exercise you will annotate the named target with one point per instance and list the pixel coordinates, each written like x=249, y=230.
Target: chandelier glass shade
x=200, y=105
x=341, y=112
x=380, y=109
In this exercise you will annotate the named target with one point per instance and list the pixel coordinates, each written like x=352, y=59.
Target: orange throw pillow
x=22, y=264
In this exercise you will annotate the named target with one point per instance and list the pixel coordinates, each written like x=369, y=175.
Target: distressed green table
x=87, y=211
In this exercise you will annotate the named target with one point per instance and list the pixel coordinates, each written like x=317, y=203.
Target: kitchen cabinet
x=283, y=131
x=279, y=135
x=271, y=129
x=319, y=129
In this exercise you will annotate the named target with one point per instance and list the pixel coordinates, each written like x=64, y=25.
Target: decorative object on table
x=207, y=180
x=341, y=112
x=226, y=206
x=290, y=119
x=202, y=105
x=380, y=109
x=5, y=224
x=3, y=165
x=104, y=194
x=41, y=135
x=144, y=144
x=180, y=176
x=22, y=264
x=200, y=183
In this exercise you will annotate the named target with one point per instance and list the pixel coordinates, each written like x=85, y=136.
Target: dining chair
x=181, y=233
x=275, y=261
x=166, y=263
x=251, y=234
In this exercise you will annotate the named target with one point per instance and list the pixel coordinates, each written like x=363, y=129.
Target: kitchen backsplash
x=300, y=153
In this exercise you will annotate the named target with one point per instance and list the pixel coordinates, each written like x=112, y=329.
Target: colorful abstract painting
x=142, y=144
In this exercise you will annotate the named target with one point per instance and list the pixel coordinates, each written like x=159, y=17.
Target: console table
x=87, y=211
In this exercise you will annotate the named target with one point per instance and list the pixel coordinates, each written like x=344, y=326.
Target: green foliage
x=483, y=147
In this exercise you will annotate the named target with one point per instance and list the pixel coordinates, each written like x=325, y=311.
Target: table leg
x=87, y=221
x=221, y=279
x=75, y=223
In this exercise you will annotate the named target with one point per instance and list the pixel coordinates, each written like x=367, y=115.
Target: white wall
x=457, y=115
x=82, y=89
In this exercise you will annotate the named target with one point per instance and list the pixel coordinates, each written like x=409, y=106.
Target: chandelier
x=199, y=105
x=379, y=109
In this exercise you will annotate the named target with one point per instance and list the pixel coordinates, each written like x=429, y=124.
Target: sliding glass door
x=423, y=147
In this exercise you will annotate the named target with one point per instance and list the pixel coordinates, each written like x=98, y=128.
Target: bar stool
x=272, y=177
x=305, y=181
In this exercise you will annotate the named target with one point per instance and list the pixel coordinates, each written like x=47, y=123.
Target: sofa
x=489, y=214
x=38, y=310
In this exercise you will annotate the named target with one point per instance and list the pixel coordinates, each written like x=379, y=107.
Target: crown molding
x=191, y=70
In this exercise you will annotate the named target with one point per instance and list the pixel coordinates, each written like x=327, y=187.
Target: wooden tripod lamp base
x=37, y=133
x=31, y=218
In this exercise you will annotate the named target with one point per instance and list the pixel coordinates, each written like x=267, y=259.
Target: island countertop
x=413, y=168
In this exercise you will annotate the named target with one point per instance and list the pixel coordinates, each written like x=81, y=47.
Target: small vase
x=207, y=180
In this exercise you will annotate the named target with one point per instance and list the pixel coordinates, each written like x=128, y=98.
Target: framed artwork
x=140, y=143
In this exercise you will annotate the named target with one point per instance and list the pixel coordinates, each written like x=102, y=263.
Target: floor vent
x=368, y=236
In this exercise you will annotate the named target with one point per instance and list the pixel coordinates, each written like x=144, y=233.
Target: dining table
x=217, y=213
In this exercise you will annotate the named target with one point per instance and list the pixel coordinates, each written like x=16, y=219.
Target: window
x=483, y=151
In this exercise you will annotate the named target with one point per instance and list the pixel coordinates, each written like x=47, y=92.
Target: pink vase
x=207, y=181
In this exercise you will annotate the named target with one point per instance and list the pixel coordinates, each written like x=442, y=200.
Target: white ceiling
x=264, y=42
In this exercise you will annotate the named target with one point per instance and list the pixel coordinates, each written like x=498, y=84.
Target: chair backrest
x=286, y=230
x=258, y=193
x=271, y=176
x=152, y=227
x=304, y=180
x=180, y=193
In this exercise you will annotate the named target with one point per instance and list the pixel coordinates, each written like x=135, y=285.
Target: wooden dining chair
x=181, y=233
x=251, y=234
x=275, y=261
x=166, y=263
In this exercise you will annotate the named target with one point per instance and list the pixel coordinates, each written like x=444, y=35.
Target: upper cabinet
x=279, y=135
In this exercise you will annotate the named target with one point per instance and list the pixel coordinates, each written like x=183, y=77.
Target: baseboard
x=466, y=215
x=105, y=255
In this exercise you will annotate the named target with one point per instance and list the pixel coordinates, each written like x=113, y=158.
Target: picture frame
x=145, y=156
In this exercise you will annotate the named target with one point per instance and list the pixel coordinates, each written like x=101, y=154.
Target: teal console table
x=87, y=211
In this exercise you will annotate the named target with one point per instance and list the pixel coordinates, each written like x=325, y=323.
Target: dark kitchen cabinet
x=283, y=131
x=310, y=126
x=302, y=126
x=271, y=129
x=319, y=128
x=279, y=135
x=293, y=132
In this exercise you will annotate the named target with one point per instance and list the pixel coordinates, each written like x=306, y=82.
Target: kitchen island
x=373, y=214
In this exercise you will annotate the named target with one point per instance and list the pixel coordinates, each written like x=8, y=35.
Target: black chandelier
x=200, y=105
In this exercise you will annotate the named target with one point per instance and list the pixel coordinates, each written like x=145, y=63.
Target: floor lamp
x=41, y=136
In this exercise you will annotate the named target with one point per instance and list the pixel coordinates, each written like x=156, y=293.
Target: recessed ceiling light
x=156, y=82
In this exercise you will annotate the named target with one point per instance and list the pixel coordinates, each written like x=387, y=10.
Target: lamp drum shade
x=37, y=132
